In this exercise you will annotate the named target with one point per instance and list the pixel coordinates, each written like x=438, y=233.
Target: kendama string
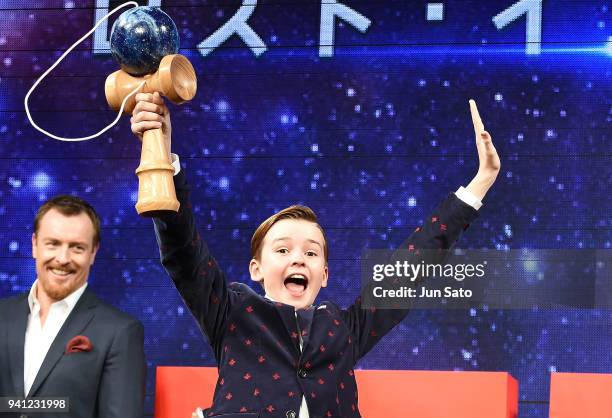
x=84, y=138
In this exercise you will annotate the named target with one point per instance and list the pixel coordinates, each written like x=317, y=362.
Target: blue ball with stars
x=141, y=37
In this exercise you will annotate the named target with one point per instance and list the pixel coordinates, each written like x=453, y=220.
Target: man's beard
x=58, y=293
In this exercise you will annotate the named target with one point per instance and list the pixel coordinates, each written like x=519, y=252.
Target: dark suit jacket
x=106, y=382
x=262, y=371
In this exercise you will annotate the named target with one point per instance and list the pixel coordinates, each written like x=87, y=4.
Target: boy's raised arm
x=184, y=255
x=441, y=230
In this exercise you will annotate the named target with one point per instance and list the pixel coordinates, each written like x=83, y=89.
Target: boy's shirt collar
x=272, y=300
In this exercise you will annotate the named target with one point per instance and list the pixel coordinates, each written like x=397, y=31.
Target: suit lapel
x=79, y=318
x=304, y=317
x=16, y=340
x=296, y=322
x=287, y=315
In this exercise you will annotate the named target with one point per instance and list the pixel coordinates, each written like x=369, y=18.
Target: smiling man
x=59, y=340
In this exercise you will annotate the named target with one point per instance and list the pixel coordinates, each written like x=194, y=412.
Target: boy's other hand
x=489, y=163
x=151, y=112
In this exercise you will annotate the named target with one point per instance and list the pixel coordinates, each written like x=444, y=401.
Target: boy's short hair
x=69, y=206
x=297, y=212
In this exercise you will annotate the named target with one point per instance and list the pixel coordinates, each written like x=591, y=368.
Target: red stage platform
x=382, y=393
x=580, y=395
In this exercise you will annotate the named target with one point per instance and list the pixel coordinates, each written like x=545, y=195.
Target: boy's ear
x=255, y=270
x=326, y=275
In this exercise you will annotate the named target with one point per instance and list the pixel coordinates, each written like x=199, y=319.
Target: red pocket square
x=78, y=344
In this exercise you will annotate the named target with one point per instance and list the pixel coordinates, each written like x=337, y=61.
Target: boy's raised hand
x=489, y=163
x=151, y=112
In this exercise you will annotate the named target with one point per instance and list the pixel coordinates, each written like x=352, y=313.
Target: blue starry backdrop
x=356, y=108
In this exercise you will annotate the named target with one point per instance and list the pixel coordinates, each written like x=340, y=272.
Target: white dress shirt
x=38, y=338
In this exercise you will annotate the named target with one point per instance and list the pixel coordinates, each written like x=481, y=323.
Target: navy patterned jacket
x=262, y=372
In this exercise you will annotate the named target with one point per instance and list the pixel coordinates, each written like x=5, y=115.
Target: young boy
x=280, y=355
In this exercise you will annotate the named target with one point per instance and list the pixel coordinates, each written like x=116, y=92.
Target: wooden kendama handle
x=155, y=177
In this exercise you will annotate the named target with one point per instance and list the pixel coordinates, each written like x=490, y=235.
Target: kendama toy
x=144, y=41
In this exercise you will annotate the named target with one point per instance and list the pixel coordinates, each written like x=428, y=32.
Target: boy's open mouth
x=296, y=284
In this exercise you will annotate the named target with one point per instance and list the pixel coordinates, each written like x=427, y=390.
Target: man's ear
x=34, y=245
x=325, y=276
x=94, y=251
x=255, y=270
